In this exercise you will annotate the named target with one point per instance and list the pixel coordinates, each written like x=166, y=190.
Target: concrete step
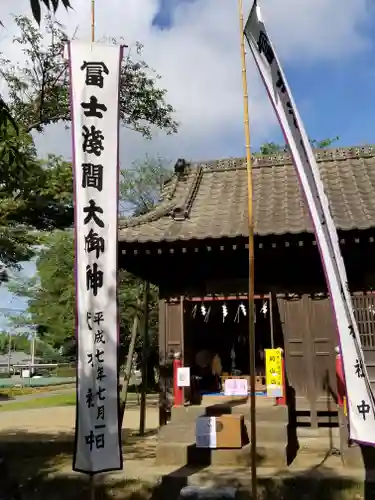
x=323, y=432
x=263, y=413
x=184, y=432
x=268, y=455
x=359, y=457
x=267, y=432
x=180, y=454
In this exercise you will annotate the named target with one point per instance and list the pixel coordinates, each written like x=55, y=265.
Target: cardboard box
x=230, y=431
x=221, y=431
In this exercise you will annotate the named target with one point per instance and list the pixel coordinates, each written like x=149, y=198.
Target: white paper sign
x=361, y=405
x=205, y=432
x=94, y=80
x=183, y=376
x=274, y=391
x=235, y=387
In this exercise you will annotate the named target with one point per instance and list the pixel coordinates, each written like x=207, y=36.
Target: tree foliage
x=21, y=342
x=140, y=187
x=49, y=4
x=34, y=194
x=39, y=90
x=35, y=198
x=7, y=120
x=51, y=298
x=271, y=148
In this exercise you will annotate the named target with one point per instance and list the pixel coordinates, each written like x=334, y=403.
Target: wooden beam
x=212, y=298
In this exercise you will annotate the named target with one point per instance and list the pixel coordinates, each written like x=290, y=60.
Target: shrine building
x=194, y=247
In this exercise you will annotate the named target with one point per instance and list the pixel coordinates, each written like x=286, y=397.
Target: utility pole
x=145, y=352
x=32, y=352
x=9, y=350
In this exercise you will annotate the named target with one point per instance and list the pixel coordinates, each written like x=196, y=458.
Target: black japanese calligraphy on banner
x=361, y=405
x=95, y=72
x=94, y=79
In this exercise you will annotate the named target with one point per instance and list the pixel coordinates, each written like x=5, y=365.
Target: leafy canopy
x=141, y=186
x=270, y=148
x=33, y=198
x=49, y=4
x=51, y=297
x=35, y=194
x=39, y=90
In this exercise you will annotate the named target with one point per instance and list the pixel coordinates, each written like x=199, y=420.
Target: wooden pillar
x=170, y=342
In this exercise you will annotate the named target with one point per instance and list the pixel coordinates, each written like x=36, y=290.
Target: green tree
x=39, y=89
x=324, y=143
x=51, y=298
x=37, y=195
x=271, y=148
x=51, y=295
x=32, y=199
x=49, y=4
x=141, y=186
x=7, y=121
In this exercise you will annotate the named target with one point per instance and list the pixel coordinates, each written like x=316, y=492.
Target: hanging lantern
x=203, y=310
x=243, y=309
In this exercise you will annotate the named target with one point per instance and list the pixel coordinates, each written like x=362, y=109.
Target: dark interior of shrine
x=217, y=339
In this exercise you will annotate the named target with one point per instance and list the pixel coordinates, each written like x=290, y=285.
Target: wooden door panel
x=299, y=374
x=323, y=334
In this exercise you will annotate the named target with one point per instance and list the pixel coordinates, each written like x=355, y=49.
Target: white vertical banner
x=361, y=406
x=95, y=82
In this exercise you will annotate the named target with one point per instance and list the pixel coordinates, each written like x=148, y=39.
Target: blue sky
x=335, y=96
x=327, y=49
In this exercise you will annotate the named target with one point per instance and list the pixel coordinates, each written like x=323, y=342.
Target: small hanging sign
x=235, y=387
x=183, y=376
x=205, y=432
x=274, y=378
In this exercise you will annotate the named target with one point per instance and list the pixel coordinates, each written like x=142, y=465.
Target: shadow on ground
x=40, y=466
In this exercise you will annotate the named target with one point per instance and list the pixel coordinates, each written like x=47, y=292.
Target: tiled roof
x=211, y=200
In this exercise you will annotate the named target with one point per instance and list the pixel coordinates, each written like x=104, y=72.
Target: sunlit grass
x=66, y=399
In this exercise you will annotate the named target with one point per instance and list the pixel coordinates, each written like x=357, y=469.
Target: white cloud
x=198, y=58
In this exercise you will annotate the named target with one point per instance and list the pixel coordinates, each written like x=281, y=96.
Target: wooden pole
x=145, y=350
x=129, y=365
x=251, y=262
x=92, y=21
x=92, y=487
x=92, y=480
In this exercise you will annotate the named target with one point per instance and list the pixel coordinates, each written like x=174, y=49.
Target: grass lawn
x=66, y=399
x=12, y=392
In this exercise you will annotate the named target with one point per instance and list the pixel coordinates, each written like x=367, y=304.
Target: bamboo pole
x=251, y=260
x=92, y=21
x=92, y=477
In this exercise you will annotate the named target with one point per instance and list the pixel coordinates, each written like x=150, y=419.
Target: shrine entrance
x=216, y=340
